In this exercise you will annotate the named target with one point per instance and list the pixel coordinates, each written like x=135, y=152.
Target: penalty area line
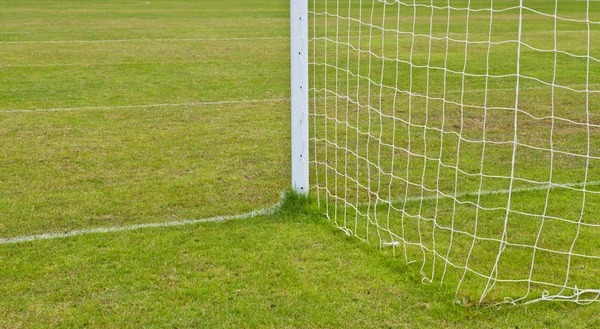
x=113, y=229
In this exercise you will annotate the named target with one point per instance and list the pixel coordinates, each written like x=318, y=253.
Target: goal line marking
x=61, y=109
x=48, y=236
x=255, y=213
x=140, y=40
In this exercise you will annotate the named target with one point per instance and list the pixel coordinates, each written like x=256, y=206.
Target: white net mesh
x=464, y=135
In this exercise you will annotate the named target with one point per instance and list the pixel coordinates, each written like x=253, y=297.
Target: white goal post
x=458, y=134
x=299, y=94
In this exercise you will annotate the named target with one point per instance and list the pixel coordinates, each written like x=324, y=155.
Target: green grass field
x=115, y=113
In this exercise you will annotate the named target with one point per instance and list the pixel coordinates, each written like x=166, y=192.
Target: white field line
x=494, y=192
x=65, y=31
x=47, y=236
x=260, y=212
x=66, y=109
x=140, y=40
x=9, y=66
x=206, y=39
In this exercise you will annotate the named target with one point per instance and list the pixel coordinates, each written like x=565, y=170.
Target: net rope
x=464, y=136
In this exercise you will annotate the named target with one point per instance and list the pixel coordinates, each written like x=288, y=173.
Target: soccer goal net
x=463, y=136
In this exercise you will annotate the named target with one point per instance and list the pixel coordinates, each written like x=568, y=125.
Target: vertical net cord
x=380, y=107
x=426, y=277
x=315, y=111
x=368, y=132
x=481, y=162
x=347, y=128
x=325, y=115
x=369, y=220
x=358, y=67
x=443, y=126
x=392, y=240
x=336, y=105
x=553, y=109
x=492, y=279
x=484, y=133
x=409, y=125
x=587, y=158
x=460, y=133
